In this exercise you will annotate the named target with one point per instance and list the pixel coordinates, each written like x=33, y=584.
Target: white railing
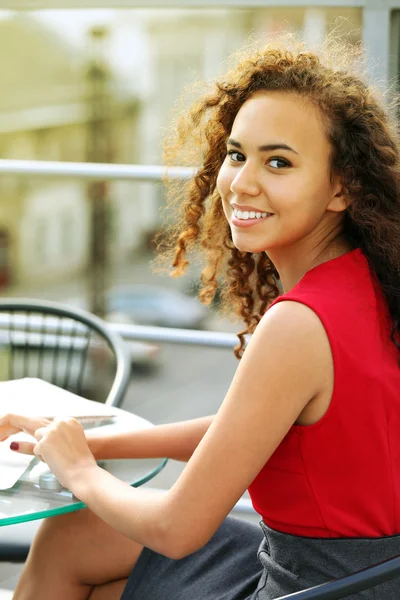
x=142, y=333
x=99, y=171
x=168, y=335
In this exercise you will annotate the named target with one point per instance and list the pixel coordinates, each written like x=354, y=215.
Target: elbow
x=175, y=543
x=179, y=550
x=176, y=536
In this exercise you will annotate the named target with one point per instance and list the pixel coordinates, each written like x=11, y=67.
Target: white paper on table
x=35, y=397
x=13, y=464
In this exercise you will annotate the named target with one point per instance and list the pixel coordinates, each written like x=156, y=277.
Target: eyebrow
x=264, y=148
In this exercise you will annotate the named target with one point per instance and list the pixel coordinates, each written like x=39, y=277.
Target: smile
x=248, y=218
x=245, y=214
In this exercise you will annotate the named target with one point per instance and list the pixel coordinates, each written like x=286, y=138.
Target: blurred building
x=154, y=54
x=43, y=116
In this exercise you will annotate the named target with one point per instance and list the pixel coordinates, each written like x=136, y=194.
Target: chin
x=242, y=246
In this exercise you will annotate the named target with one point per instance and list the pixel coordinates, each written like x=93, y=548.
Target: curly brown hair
x=365, y=151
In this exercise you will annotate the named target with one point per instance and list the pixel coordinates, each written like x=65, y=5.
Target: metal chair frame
x=351, y=584
x=77, y=336
x=80, y=318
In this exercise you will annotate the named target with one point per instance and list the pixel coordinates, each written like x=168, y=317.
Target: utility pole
x=99, y=149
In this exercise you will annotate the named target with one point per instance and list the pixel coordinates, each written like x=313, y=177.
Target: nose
x=245, y=182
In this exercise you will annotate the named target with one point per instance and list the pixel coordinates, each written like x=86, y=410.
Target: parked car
x=152, y=305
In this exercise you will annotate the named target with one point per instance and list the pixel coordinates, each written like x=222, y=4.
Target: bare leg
x=73, y=554
x=109, y=591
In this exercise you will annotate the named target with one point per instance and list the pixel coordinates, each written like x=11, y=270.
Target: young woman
x=298, y=181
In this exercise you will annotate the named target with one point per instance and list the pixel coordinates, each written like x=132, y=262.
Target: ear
x=340, y=200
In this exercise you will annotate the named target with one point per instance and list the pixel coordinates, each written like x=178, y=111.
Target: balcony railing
x=99, y=171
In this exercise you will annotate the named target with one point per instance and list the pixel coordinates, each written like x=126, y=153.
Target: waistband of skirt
x=278, y=544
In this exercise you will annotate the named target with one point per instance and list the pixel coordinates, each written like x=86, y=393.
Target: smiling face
x=275, y=183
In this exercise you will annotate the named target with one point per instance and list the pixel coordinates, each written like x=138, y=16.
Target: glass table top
x=27, y=500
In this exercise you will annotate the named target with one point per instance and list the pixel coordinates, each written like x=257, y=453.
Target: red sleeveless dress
x=340, y=477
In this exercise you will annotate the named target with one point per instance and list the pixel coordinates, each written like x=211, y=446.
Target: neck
x=293, y=263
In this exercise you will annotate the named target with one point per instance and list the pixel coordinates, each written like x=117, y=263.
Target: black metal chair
x=351, y=584
x=70, y=348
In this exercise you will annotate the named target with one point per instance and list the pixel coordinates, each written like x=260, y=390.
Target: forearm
x=177, y=441
x=139, y=514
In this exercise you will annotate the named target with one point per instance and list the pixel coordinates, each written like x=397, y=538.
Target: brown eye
x=236, y=156
x=278, y=163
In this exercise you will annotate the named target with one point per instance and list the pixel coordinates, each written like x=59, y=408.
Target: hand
x=10, y=424
x=62, y=445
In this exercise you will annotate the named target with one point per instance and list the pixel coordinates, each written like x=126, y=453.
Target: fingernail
x=14, y=446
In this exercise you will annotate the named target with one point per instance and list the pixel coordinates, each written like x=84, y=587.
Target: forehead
x=269, y=117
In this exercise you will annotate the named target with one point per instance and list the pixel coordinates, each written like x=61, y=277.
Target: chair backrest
x=68, y=347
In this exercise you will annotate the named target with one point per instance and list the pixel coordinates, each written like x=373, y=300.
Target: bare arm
x=175, y=440
x=283, y=369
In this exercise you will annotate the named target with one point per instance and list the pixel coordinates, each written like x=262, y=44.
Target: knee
x=59, y=531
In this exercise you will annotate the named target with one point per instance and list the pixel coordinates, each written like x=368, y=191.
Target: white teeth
x=244, y=215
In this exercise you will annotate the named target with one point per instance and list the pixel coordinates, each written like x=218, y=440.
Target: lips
x=245, y=207
x=237, y=222
x=246, y=214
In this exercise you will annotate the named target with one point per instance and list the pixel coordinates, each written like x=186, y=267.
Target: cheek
x=224, y=181
x=223, y=187
x=295, y=195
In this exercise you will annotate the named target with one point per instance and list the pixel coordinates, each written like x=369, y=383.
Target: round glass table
x=27, y=500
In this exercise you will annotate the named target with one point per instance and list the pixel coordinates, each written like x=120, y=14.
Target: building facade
x=44, y=227
x=44, y=112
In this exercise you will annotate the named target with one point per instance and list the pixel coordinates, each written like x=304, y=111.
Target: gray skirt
x=244, y=562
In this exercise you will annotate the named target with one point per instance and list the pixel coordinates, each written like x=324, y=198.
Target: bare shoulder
x=294, y=319
x=291, y=339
